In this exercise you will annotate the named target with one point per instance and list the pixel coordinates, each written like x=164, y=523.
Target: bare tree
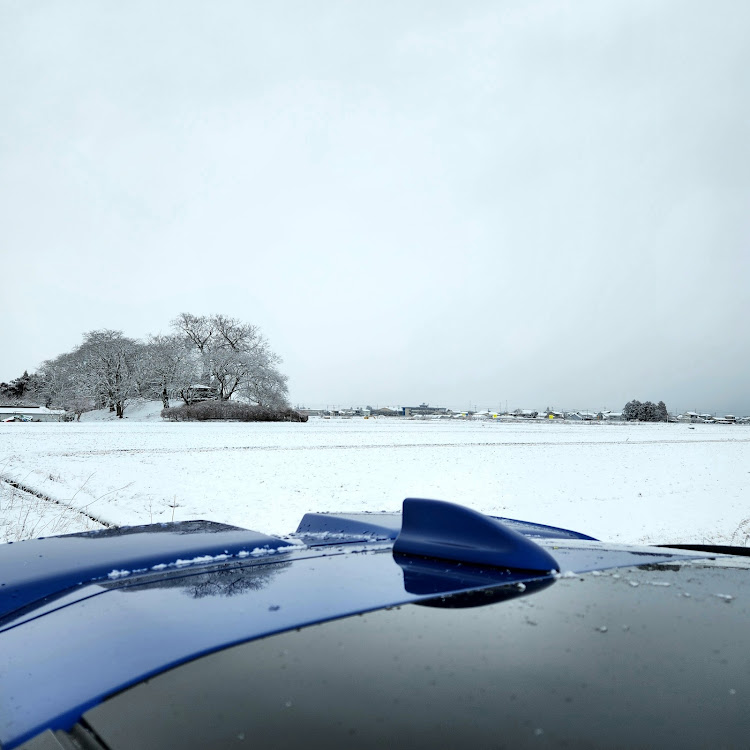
x=232, y=353
x=267, y=387
x=199, y=329
x=168, y=368
x=236, y=335
x=79, y=405
x=61, y=381
x=108, y=364
x=98, y=372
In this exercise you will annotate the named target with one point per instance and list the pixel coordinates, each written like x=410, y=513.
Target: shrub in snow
x=230, y=410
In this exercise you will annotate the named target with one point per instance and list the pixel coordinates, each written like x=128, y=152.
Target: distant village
x=29, y=413
x=425, y=411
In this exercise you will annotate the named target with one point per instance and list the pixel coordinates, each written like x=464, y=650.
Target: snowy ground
x=629, y=483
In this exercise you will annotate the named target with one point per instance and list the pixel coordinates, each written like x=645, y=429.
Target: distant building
x=311, y=412
x=551, y=414
x=581, y=416
x=526, y=413
x=688, y=416
x=198, y=392
x=386, y=411
x=423, y=410
x=31, y=414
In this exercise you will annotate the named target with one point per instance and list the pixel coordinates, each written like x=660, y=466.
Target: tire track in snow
x=376, y=446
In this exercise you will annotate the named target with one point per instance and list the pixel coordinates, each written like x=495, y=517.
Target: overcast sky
x=466, y=203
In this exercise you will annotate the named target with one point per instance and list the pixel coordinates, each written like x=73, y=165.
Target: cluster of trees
x=222, y=355
x=645, y=412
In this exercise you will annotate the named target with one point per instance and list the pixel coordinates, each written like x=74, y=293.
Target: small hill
x=138, y=411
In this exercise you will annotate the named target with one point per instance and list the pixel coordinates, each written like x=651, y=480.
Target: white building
x=31, y=414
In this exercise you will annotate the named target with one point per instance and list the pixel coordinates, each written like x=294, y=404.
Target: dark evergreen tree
x=631, y=410
x=663, y=414
x=647, y=411
x=17, y=388
x=20, y=389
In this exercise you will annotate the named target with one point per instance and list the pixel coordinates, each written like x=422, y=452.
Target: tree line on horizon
x=224, y=356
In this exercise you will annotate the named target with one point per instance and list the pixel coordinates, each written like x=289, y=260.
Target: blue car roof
x=87, y=615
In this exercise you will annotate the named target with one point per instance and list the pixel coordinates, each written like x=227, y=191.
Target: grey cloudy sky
x=544, y=203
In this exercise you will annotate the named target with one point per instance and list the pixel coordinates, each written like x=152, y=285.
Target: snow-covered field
x=620, y=482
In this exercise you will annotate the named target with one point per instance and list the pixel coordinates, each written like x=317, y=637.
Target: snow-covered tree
x=645, y=412
x=661, y=409
x=18, y=388
x=62, y=381
x=267, y=387
x=167, y=368
x=198, y=329
x=108, y=363
x=234, y=356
